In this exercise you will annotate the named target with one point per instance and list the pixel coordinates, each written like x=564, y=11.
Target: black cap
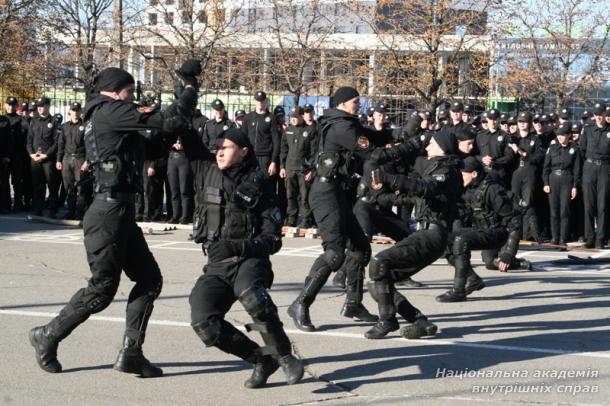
x=237, y=136
x=564, y=129
x=58, y=117
x=457, y=106
x=370, y=111
x=504, y=118
x=427, y=114
x=240, y=113
x=585, y=114
x=308, y=107
x=512, y=120
x=599, y=109
x=576, y=128
x=544, y=118
x=362, y=117
x=447, y=141
x=75, y=106
x=443, y=114
x=113, y=79
x=218, y=105
x=260, y=95
x=11, y=101
x=552, y=117
x=536, y=118
x=564, y=114
x=468, y=109
x=344, y=94
x=33, y=105
x=471, y=164
x=296, y=111
x=43, y=101
x=25, y=106
x=464, y=134
x=493, y=114
x=380, y=108
x=278, y=111
x=524, y=117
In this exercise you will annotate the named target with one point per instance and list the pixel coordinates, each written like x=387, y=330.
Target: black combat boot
x=292, y=367
x=452, y=295
x=473, y=282
x=264, y=367
x=353, y=307
x=382, y=291
x=45, y=343
x=299, y=309
x=131, y=360
x=420, y=327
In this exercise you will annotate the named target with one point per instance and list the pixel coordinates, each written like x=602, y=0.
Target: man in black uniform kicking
x=240, y=228
x=113, y=241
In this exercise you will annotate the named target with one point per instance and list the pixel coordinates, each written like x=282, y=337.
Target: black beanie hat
x=471, y=164
x=344, y=94
x=239, y=137
x=113, y=79
x=447, y=141
x=191, y=67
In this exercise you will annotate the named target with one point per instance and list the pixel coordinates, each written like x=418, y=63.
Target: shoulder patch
x=571, y=150
x=532, y=142
x=363, y=142
x=553, y=142
x=225, y=128
x=423, y=137
x=277, y=216
x=81, y=128
x=267, y=119
x=500, y=138
x=305, y=134
x=440, y=177
x=50, y=125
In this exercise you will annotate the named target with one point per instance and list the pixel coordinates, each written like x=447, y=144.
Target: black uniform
x=21, y=176
x=435, y=186
x=524, y=181
x=196, y=151
x=562, y=173
x=265, y=136
x=296, y=157
x=495, y=144
x=7, y=146
x=240, y=227
x=42, y=139
x=344, y=143
x=595, y=145
x=71, y=153
x=154, y=156
x=113, y=241
x=213, y=129
x=495, y=224
x=180, y=178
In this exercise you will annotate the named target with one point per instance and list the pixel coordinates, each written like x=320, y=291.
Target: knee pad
x=378, y=270
x=334, y=259
x=258, y=303
x=460, y=245
x=362, y=258
x=208, y=331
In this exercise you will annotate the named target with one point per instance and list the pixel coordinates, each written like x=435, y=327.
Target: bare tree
x=429, y=49
x=554, y=48
x=188, y=29
x=75, y=29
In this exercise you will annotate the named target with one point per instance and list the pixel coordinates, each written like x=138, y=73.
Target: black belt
x=424, y=225
x=560, y=172
x=176, y=154
x=598, y=162
x=324, y=179
x=77, y=156
x=116, y=197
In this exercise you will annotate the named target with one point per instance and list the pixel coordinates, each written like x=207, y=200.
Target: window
x=152, y=18
x=202, y=17
x=154, y=2
x=186, y=17
x=169, y=18
x=169, y=2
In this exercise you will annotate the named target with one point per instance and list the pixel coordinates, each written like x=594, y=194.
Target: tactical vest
x=332, y=164
x=114, y=172
x=483, y=216
x=224, y=216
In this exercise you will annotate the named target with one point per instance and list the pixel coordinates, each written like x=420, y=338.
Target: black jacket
x=567, y=159
x=595, y=142
x=264, y=134
x=495, y=145
x=71, y=140
x=296, y=152
x=42, y=136
x=212, y=129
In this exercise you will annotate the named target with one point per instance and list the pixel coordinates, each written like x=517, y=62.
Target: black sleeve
x=52, y=150
x=577, y=170
x=276, y=135
x=546, y=169
x=61, y=141
x=283, y=152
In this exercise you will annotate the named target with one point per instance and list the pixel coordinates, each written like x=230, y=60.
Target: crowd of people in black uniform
x=442, y=185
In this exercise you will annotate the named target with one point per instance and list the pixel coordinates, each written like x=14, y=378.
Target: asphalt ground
x=529, y=337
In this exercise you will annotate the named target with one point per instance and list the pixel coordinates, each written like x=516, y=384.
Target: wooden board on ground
x=557, y=247
x=57, y=222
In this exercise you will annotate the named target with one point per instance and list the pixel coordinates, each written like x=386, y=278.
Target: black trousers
x=215, y=292
x=560, y=203
x=523, y=185
x=180, y=180
x=596, y=187
x=114, y=243
x=297, y=195
x=21, y=178
x=277, y=183
x=5, y=188
x=373, y=220
x=44, y=175
x=154, y=192
x=70, y=174
x=467, y=239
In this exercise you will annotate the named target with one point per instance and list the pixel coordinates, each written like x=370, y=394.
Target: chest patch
x=439, y=177
x=49, y=125
x=571, y=150
x=225, y=128
x=305, y=134
x=532, y=142
x=268, y=119
x=500, y=138
x=81, y=128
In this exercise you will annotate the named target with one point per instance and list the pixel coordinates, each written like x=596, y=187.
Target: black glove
x=414, y=143
x=222, y=250
x=506, y=257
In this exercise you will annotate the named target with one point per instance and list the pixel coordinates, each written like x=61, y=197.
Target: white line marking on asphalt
x=343, y=335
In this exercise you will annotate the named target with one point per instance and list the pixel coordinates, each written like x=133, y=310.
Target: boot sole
x=414, y=332
x=133, y=368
